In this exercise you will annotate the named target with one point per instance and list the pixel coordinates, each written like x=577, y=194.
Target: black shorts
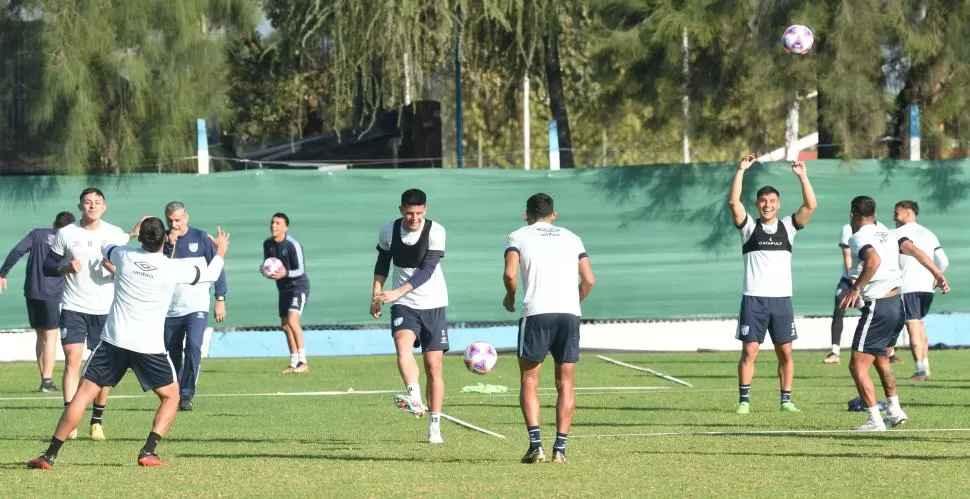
x=293, y=300
x=879, y=326
x=917, y=305
x=760, y=315
x=44, y=314
x=78, y=327
x=108, y=364
x=430, y=326
x=542, y=334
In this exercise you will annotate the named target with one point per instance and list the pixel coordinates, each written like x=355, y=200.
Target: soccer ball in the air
x=480, y=357
x=798, y=39
x=271, y=266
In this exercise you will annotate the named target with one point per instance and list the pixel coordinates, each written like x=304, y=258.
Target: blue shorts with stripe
x=555, y=333
x=882, y=320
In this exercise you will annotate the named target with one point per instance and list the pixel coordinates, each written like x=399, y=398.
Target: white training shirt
x=844, y=243
x=767, y=257
x=434, y=292
x=549, y=265
x=915, y=276
x=91, y=290
x=886, y=244
x=144, y=284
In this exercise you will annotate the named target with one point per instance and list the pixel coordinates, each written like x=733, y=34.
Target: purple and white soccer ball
x=480, y=357
x=798, y=39
x=271, y=266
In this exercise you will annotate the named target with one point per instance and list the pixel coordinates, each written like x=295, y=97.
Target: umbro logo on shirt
x=145, y=266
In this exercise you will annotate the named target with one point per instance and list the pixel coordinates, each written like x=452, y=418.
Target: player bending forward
x=134, y=334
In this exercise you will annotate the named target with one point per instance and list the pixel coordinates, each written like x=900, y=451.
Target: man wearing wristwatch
x=189, y=311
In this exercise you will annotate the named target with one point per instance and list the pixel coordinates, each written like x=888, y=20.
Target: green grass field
x=255, y=432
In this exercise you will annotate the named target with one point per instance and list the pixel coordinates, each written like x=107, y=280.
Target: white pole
x=791, y=133
x=407, y=80
x=914, y=133
x=202, y=156
x=685, y=99
x=526, y=126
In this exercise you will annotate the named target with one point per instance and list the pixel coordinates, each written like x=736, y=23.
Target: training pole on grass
x=469, y=425
x=645, y=369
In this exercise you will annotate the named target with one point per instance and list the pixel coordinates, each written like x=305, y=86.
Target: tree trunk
x=557, y=98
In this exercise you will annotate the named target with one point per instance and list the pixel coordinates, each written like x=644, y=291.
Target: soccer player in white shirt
x=549, y=258
x=134, y=334
x=845, y=282
x=88, y=291
x=766, y=306
x=875, y=252
x=918, y=291
x=415, y=245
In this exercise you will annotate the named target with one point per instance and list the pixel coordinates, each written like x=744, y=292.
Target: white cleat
x=871, y=425
x=895, y=418
x=434, y=436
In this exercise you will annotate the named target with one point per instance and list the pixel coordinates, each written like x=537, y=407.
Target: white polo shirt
x=549, y=265
x=91, y=290
x=916, y=279
x=885, y=243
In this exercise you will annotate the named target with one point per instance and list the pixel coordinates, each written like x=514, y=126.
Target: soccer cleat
x=97, y=432
x=41, y=463
x=405, y=403
x=534, y=455
x=789, y=407
x=185, y=404
x=149, y=460
x=434, y=436
x=288, y=370
x=301, y=368
x=895, y=360
x=48, y=388
x=871, y=425
x=72, y=435
x=895, y=418
x=558, y=457
x=744, y=408
x=831, y=358
x=919, y=376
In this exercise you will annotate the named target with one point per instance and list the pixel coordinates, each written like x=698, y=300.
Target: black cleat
x=185, y=404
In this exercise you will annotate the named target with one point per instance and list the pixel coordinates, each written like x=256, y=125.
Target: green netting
x=660, y=237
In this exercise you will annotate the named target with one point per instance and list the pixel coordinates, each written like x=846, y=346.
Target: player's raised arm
x=809, y=203
x=734, y=197
x=907, y=247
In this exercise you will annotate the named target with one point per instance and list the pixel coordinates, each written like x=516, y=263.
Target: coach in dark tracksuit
x=189, y=312
x=43, y=294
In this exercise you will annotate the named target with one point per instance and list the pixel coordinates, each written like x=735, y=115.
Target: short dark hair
x=281, y=216
x=63, y=219
x=152, y=234
x=909, y=205
x=863, y=206
x=90, y=190
x=540, y=205
x=414, y=197
x=764, y=191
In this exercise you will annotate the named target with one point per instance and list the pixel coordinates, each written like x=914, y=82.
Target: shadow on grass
x=333, y=457
x=59, y=408
x=672, y=427
x=862, y=454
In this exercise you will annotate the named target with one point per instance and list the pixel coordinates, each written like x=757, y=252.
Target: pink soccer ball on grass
x=480, y=357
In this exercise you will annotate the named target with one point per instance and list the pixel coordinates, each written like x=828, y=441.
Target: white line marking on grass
x=645, y=369
x=268, y=394
x=469, y=425
x=613, y=388
x=761, y=432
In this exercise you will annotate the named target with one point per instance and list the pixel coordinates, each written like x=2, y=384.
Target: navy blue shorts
x=293, y=300
x=430, y=326
x=772, y=315
x=108, y=364
x=44, y=314
x=77, y=327
x=917, y=304
x=879, y=326
x=542, y=334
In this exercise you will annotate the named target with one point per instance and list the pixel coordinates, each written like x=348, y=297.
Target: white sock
x=294, y=359
x=835, y=348
x=926, y=365
x=434, y=419
x=301, y=355
x=414, y=391
x=874, y=414
x=894, y=403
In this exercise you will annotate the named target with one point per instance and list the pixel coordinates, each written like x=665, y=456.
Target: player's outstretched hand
x=798, y=168
x=137, y=229
x=941, y=283
x=747, y=160
x=221, y=241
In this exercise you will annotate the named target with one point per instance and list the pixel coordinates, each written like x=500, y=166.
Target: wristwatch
x=220, y=298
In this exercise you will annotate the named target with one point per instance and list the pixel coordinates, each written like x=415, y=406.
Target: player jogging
x=293, y=286
x=189, y=312
x=134, y=334
x=419, y=297
x=875, y=251
x=549, y=258
x=43, y=295
x=918, y=282
x=766, y=306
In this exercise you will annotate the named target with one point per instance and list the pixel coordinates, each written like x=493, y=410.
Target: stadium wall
x=660, y=237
